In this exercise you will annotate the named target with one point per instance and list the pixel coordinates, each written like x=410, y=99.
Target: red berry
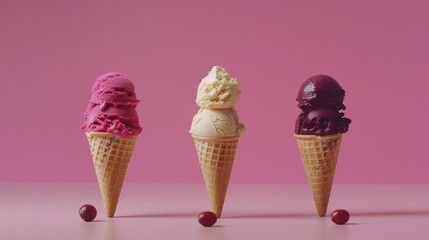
x=87, y=212
x=207, y=219
x=340, y=216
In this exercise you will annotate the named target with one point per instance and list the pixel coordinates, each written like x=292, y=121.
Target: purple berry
x=340, y=216
x=87, y=212
x=207, y=219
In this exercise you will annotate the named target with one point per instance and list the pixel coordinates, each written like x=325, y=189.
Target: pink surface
x=52, y=52
x=257, y=211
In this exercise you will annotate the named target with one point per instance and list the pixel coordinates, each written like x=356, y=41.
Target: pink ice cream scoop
x=112, y=107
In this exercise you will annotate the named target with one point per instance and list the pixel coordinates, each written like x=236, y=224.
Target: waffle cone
x=216, y=156
x=110, y=154
x=319, y=156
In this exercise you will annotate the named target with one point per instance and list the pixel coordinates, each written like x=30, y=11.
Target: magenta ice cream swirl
x=112, y=107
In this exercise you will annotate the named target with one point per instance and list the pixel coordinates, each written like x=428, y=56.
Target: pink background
x=51, y=52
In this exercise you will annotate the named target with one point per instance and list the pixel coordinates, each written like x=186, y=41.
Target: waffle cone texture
x=319, y=156
x=110, y=154
x=216, y=157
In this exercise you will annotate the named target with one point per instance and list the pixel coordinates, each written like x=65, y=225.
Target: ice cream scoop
x=218, y=90
x=321, y=100
x=113, y=87
x=112, y=107
x=321, y=91
x=216, y=123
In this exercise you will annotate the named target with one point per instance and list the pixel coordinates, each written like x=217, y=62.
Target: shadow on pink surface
x=393, y=213
x=270, y=215
x=383, y=213
x=225, y=215
x=160, y=215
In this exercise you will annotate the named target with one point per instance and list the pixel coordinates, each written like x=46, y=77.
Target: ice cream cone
x=319, y=155
x=110, y=155
x=216, y=156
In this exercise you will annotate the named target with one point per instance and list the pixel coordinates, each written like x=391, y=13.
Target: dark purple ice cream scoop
x=321, y=100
